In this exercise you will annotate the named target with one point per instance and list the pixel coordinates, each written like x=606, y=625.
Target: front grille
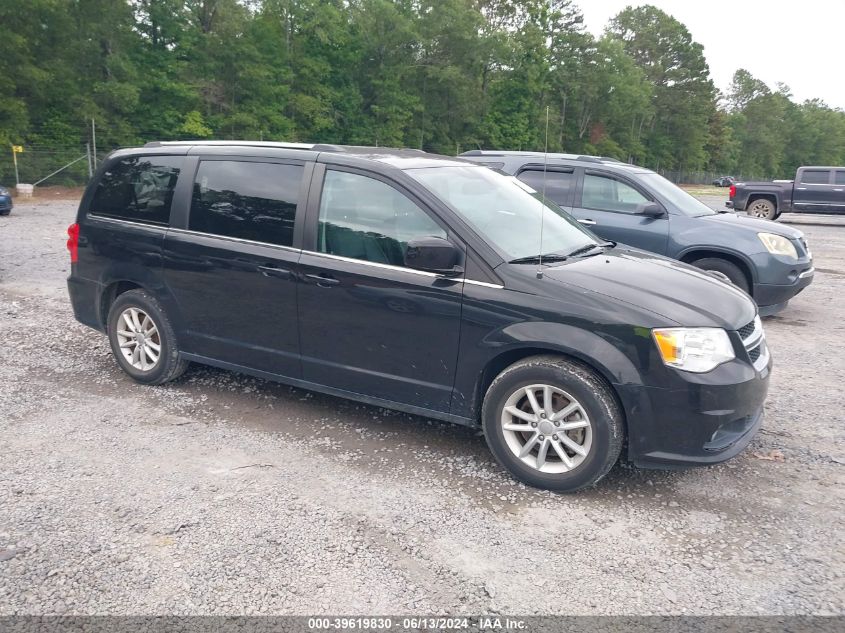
x=754, y=354
x=747, y=330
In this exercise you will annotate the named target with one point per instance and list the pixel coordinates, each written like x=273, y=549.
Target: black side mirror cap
x=651, y=210
x=433, y=255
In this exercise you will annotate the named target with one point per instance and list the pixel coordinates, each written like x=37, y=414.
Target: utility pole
x=94, y=140
x=15, y=158
x=88, y=154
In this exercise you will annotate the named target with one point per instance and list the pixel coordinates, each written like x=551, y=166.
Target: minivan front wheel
x=142, y=339
x=553, y=423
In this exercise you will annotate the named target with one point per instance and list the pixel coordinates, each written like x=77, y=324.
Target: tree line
x=441, y=75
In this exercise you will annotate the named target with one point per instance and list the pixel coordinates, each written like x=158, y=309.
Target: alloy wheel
x=138, y=339
x=547, y=428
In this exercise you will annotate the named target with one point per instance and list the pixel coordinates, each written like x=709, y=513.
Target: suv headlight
x=778, y=245
x=698, y=349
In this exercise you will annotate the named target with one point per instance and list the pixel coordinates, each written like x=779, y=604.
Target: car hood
x=677, y=292
x=756, y=225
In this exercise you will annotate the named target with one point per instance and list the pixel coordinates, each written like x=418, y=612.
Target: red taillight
x=73, y=242
x=732, y=191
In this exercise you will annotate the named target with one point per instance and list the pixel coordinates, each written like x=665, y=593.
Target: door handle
x=801, y=188
x=272, y=271
x=323, y=281
x=588, y=222
x=837, y=190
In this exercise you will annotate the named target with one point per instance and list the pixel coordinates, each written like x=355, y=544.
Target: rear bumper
x=5, y=204
x=85, y=299
x=710, y=420
x=729, y=204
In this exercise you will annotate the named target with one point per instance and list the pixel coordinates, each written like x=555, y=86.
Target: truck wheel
x=553, y=423
x=142, y=339
x=762, y=208
x=724, y=268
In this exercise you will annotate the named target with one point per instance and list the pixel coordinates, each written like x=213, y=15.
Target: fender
x=709, y=248
x=591, y=348
x=149, y=279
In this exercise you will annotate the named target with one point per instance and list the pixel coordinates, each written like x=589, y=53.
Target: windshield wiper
x=584, y=249
x=532, y=259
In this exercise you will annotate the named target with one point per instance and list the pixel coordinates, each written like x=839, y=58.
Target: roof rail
x=280, y=145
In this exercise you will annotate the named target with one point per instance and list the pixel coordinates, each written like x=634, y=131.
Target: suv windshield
x=504, y=212
x=680, y=199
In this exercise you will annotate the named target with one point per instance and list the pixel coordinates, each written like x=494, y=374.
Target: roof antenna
x=543, y=199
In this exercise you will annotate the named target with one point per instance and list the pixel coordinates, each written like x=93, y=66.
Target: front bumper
x=779, y=294
x=701, y=419
x=5, y=204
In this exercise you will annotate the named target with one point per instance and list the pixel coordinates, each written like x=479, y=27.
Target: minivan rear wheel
x=142, y=339
x=553, y=423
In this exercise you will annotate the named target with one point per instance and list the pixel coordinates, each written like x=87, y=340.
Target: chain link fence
x=46, y=166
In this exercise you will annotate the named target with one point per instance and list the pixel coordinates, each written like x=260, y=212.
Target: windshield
x=505, y=213
x=680, y=199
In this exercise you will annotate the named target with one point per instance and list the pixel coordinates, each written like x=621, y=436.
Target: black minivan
x=419, y=283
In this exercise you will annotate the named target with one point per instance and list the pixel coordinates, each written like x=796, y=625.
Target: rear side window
x=815, y=177
x=138, y=188
x=246, y=200
x=608, y=194
x=840, y=178
x=558, y=184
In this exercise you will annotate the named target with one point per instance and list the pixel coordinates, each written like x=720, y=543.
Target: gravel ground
x=224, y=494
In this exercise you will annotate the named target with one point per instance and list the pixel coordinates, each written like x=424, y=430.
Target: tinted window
x=608, y=194
x=815, y=177
x=250, y=201
x=840, y=178
x=558, y=183
x=366, y=219
x=138, y=188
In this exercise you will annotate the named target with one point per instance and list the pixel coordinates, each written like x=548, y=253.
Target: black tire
x=593, y=394
x=724, y=267
x=169, y=365
x=762, y=208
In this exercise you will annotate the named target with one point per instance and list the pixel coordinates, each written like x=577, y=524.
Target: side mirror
x=433, y=255
x=651, y=210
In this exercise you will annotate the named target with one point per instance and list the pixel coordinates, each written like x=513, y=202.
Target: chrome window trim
x=403, y=269
x=96, y=217
x=238, y=240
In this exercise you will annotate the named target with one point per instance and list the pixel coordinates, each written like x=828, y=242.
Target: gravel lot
x=224, y=494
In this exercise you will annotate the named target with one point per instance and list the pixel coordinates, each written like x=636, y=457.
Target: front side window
x=608, y=194
x=815, y=177
x=139, y=188
x=364, y=218
x=558, y=184
x=246, y=200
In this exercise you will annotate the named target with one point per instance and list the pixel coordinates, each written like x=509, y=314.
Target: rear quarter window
x=138, y=188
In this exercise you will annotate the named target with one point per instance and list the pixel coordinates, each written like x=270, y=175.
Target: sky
x=801, y=44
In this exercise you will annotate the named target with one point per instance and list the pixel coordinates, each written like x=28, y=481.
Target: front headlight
x=778, y=245
x=698, y=349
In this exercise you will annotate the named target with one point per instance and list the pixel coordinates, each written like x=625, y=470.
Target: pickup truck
x=814, y=190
